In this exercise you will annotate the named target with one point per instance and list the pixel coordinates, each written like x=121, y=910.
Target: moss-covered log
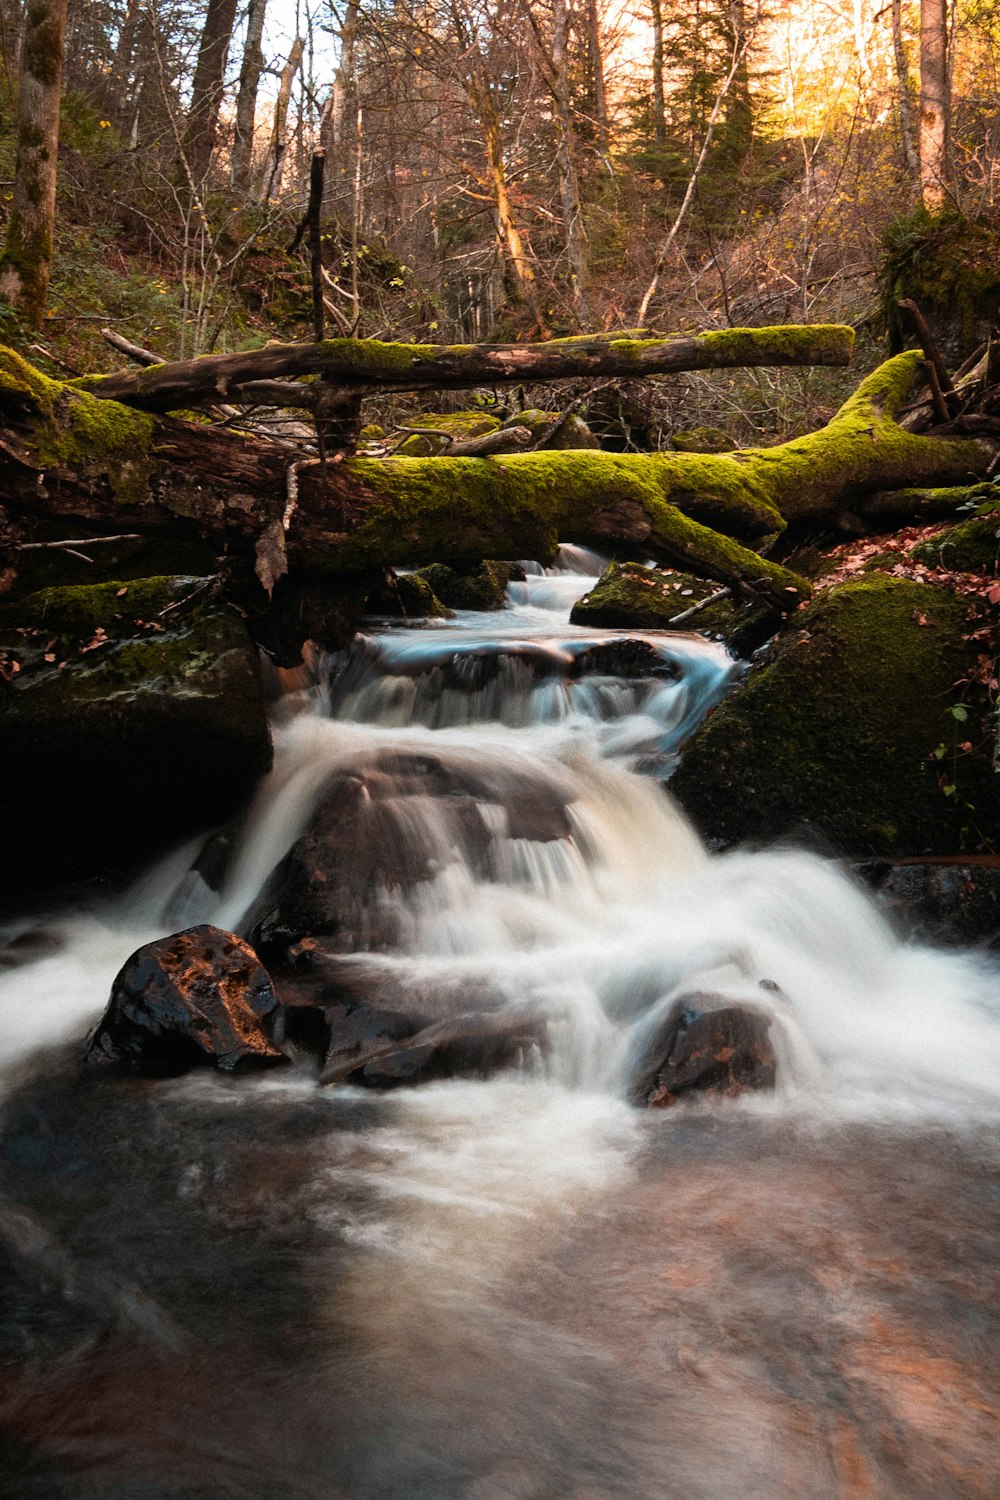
x=369, y=364
x=66, y=453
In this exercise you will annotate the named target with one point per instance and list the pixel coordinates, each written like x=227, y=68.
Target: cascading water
x=518, y=1287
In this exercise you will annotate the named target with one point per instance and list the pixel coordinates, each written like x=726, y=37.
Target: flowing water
x=520, y=1288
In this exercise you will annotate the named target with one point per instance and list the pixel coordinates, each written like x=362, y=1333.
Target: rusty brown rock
x=198, y=997
x=722, y=1051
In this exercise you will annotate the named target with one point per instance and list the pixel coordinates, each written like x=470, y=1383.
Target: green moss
x=836, y=733
x=74, y=429
x=483, y=587
x=970, y=547
x=950, y=266
x=452, y=509
x=832, y=342
x=408, y=596
x=629, y=596
x=458, y=424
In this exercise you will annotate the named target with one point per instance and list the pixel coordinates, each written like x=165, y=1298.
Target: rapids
x=521, y=1287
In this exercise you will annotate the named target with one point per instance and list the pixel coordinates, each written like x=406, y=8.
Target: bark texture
x=27, y=256
x=367, y=364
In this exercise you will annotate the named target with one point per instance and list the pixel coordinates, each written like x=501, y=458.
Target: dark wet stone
x=470, y=1046
x=723, y=1051
x=28, y=948
x=628, y=657
x=136, y=717
x=199, y=997
x=385, y=826
x=953, y=903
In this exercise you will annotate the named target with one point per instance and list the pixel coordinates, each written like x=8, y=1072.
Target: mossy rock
x=406, y=596
x=455, y=424
x=849, y=732
x=136, y=557
x=950, y=266
x=970, y=547
x=483, y=587
x=703, y=440
x=131, y=715
x=628, y=596
x=571, y=433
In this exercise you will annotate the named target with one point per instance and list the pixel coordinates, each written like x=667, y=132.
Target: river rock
x=481, y=586
x=199, y=997
x=470, y=1046
x=853, y=730
x=384, y=826
x=723, y=1050
x=133, y=714
x=628, y=596
x=947, y=903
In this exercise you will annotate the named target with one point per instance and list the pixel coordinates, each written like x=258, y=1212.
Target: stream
x=522, y=1288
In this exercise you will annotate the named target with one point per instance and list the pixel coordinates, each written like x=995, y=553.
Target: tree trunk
x=279, y=133
x=658, y=99
x=27, y=257
x=366, y=364
x=596, y=51
x=246, y=102
x=934, y=173
x=65, y=454
x=569, y=185
x=904, y=93
x=335, y=132
x=198, y=140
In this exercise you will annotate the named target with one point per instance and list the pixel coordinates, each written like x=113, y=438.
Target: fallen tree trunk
x=369, y=365
x=63, y=453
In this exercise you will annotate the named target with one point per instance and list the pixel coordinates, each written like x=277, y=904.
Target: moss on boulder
x=970, y=547
x=629, y=596
x=481, y=587
x=452, y=424
x=406, y=596
x=850, y=732
x=131, y=715
x=571, y=431
x=950, y=266
x=703, y=440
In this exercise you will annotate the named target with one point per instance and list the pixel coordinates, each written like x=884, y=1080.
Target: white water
x=455, y=1192
x=599, y=932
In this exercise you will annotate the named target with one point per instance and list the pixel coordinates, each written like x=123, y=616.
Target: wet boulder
x=861, y=731
x=467, y=1046
x=482, y=586
x=131, y=715
x=406, y=596
x=706, y=1048
x=389, y=823
x=198, y=998
x=629, y=596
x=951, y=903
x=970, y=547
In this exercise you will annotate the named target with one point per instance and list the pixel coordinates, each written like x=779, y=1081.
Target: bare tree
x=246, y=100
x=206, y=90
x=27, y=257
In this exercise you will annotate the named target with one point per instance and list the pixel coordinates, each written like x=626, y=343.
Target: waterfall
x=523, y=1285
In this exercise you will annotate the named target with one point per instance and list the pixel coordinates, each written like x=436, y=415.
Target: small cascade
x=511, y=1281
